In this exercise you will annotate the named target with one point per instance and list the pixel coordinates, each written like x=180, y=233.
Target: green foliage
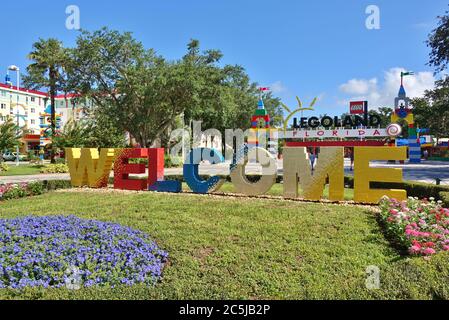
x=73, y=135
x=9, y=137
x=50, y=61
x=91, y=132
x=60, y=161
x=439, y=43
x=414, y=189
x=432, y=111
x=17, y=191
x=444, y=196
x=14, y=192
x=35, y=188
x=55, y=168
x=4, y=167
x=137, y=91
x=51, y=185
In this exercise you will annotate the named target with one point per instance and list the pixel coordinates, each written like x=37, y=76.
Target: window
x=3, y=106
x=3, y=93
x=33, y=110
x=33, y=99
x=33, y=121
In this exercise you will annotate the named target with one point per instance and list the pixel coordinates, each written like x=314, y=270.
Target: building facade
x=26, y=107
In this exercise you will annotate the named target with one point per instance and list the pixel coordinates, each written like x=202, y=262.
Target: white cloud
x=382, y=95
x=359, y=86
x=278, y=87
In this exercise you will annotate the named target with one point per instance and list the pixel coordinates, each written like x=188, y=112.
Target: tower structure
x=261, y=121
x=403, y=111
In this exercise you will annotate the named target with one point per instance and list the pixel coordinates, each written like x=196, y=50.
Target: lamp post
x=17, y=69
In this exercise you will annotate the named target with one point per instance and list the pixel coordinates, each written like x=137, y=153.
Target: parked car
x=12, y=156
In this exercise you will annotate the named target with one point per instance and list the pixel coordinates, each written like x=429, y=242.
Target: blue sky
x=305, y=48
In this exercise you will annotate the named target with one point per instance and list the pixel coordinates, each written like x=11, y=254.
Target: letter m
x=330, y=167
x=88, y=167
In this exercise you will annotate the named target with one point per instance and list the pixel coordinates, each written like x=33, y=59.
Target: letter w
x=88, y=167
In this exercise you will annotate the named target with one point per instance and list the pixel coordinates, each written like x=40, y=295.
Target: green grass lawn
x=22, y=170
x=238, y=248
x=277, y=190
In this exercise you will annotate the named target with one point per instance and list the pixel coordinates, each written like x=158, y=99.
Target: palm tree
x=9, y=136
x=49, y=60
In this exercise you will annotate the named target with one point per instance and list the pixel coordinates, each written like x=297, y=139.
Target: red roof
x=68, y=96
x=59, y=96
x=2, y=85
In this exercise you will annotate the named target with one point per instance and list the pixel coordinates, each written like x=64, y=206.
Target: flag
x=409, y=73
x=264, y=89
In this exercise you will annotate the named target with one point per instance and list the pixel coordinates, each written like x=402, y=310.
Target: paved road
x=424, y=172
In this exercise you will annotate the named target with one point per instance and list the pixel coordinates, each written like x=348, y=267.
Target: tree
x=132, y=88
x=141, y=93
x=47, y=70
x=9, y=136
x=226, y=97
x=91, y=132
x=72, y=135
x=432, y=111
x=439, y=43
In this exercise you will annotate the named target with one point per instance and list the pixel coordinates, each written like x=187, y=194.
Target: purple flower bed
x=58, y=251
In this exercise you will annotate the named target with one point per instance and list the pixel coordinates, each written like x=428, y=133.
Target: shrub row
x=414, y=189
x=55, y=168
x=444, y=196
x=17, y=191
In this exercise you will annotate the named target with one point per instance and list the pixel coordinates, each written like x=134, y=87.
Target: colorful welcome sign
x=91, y=168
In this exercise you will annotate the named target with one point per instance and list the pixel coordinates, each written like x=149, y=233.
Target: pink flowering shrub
x=20, y=190
x=421, y=226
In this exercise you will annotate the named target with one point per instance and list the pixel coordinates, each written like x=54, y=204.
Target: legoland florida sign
x=89, y=167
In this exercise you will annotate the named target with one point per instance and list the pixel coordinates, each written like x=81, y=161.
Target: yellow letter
x=88, y=168
x=329, y=164
x=364, y=175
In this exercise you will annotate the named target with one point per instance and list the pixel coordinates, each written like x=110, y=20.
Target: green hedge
x=444, y=196
x=414, y=189
x=34, y=189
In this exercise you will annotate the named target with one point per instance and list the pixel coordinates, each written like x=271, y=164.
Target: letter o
x=267, y=180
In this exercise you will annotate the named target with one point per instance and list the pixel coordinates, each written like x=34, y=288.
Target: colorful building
x=26, y=107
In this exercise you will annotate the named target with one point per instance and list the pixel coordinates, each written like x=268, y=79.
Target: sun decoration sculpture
x=300, y=109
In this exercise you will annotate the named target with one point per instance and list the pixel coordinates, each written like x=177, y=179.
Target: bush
x=414, y=189
x=55, y=168
x=444, y=196
x=52, y=185
x=420, y=226
x=35, y=188
x=13, y=191
x=60, y=161
x=4, y=167
x=16, y=191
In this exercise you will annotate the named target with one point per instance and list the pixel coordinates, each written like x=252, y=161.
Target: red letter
x=122, y=169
